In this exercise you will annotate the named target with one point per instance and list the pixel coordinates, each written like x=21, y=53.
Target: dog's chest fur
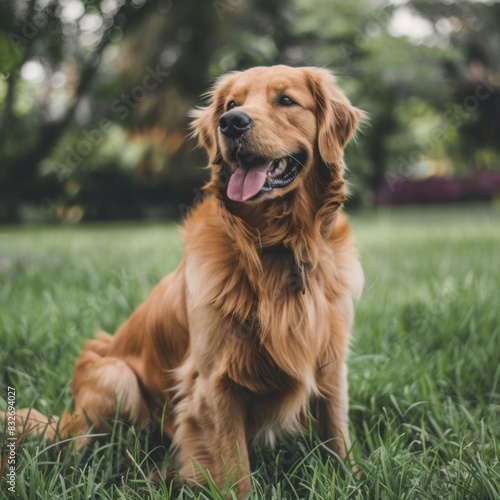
x=269, y=332
x=253, y=329
x=267, y=350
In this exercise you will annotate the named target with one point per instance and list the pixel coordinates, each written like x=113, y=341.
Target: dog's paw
x=168, y=476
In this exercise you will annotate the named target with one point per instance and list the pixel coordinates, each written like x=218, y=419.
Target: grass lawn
x=424, y=370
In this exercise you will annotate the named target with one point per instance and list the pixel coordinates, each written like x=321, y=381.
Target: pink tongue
x=246, y=183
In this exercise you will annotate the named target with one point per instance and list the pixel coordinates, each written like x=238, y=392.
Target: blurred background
x=94, y=96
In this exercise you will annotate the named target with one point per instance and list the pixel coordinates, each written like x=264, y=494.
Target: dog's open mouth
x=256, y=176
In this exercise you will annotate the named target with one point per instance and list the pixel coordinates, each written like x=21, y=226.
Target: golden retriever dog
x=253, y=326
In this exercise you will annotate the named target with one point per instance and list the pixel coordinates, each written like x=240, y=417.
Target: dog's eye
x=284, y=100
x=231, y=105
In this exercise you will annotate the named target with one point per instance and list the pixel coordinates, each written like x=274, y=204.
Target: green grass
x=424, y=370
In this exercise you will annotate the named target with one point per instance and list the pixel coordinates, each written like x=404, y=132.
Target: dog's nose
x=234, y=123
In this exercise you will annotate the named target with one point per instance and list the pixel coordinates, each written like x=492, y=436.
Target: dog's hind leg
x=104, y=387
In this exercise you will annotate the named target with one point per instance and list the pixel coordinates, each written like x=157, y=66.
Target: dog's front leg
x=333, y=410
x=210, y=434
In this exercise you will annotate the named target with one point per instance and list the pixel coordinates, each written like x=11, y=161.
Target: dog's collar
x=298, y=277
x=278, y=249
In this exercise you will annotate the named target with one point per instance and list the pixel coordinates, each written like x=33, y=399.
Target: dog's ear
x=206, y=119
x=204, y=131
x=338, y=120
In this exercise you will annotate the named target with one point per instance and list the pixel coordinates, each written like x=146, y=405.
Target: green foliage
x=424, y=373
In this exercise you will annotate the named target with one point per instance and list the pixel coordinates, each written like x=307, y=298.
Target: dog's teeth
x=281, y=166
x=278, y=167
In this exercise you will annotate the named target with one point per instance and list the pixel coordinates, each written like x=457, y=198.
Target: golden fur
x=254, y=323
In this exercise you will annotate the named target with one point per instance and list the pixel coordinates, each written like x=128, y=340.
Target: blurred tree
x=473, y=28
x=47, y=42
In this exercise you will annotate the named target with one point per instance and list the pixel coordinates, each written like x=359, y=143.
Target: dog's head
x=268, y=127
